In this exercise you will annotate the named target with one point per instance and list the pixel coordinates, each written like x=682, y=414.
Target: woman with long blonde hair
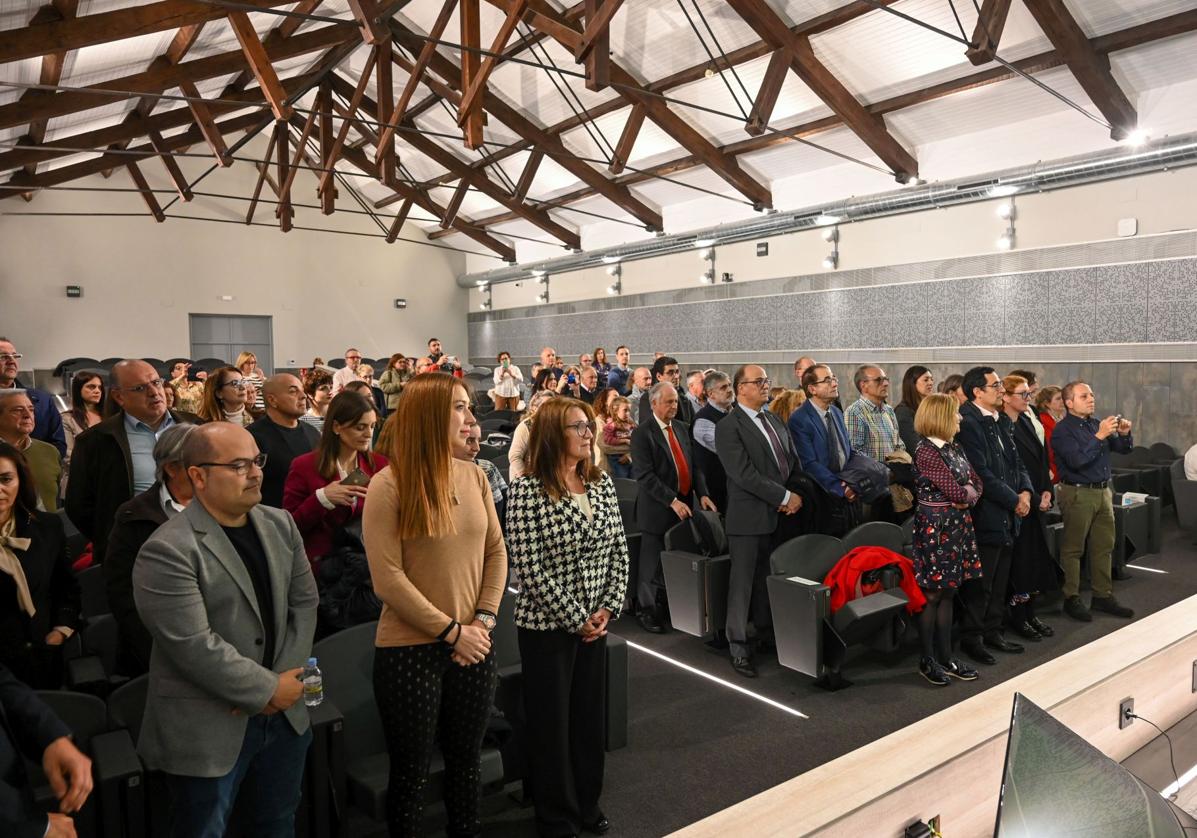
x=438, y=564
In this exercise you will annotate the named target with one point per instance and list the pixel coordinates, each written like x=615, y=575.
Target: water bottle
x=313, y=684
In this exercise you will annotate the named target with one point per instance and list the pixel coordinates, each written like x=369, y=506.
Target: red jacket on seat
x=843, y=577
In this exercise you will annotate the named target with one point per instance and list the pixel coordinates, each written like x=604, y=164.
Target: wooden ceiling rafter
x=53, y=64
x=987, y=33
x=260, y=63
x=143, y=186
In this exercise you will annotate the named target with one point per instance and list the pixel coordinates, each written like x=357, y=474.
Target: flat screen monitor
x=1057, y=785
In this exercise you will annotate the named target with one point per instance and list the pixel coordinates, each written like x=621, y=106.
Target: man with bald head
x=114, y=460
x=226, y=592
x=280, y=435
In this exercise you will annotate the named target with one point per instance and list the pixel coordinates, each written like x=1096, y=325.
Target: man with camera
x=1082, y=446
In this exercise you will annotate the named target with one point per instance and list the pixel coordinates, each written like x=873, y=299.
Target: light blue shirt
x=141, y=449
x=759, y=425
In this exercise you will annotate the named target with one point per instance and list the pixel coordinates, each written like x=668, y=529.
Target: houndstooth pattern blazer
x=567, y=567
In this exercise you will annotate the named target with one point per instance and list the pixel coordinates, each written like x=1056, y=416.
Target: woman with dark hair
x=917, y=384
x=87, y=409
x=438, y=564
x=394, y=378
x=226, y=397
x=601, y=366
x=546, y=379
x=508, y=379
x=569, y=551
x=38, y=592
x=317, y=386
x=953, y=386
x=325, y=488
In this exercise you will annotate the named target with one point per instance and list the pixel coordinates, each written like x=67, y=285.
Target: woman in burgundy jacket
x=326, y=488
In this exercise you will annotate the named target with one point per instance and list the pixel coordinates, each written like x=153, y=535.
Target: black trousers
x=746, y=592
x=565, y=685
x=650, y=582
x=424, y=698
x=984, y=599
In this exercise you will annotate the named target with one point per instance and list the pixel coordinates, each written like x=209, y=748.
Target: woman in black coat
x=39, y=596
x=1032, y=570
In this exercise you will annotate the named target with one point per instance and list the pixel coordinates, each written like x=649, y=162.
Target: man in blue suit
x=819, y=433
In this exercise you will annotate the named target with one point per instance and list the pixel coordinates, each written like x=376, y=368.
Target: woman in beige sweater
x=438, y=564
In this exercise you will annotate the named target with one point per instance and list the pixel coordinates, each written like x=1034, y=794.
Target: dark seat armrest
x=86, y=672
x=114, y=757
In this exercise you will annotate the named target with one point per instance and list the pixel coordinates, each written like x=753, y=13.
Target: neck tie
x=783, y=462
x=679, y=460
x=11, y=565
x=834, y=458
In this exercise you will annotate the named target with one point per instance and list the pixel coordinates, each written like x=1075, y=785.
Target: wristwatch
x=486, y=620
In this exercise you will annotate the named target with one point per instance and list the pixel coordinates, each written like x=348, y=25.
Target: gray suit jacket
x=755, y=485
x=197, y=600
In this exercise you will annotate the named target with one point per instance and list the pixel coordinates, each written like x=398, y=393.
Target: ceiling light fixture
x=612, y=259
x=615, y=270
x=1008, y=212
x=824, y=220
x=705, y=242
x=832, y=237
x=707, y=277
x=487, y=303
x=1003, y=190
x=1136, y=138
x=616, y=287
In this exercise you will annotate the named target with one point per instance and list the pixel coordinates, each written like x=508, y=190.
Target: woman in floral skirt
x=945, y=545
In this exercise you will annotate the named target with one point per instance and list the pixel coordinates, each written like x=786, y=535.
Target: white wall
x=1161, y=202
x=140, y=279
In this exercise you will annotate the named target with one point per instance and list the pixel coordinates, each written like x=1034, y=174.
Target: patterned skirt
x=945, y=547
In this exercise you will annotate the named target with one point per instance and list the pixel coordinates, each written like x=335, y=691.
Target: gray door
x=226, y=336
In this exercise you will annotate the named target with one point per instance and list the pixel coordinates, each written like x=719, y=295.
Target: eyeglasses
x=582, y=429
x=1022, y=394
x=759, y=382
x=11, y=356
x=239, y=384
x=996, y=386
x=881, y=379
x=353, y=357
x=831, y=379
x=155, y=384
x=242, y=466
x=21, y=410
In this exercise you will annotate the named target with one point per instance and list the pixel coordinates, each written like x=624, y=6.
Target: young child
x=617, y=437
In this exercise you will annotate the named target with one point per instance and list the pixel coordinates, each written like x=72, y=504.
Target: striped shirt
x=873, y=429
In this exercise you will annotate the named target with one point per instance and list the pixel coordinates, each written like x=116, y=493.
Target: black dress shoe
x=996, y=641
x=1111, y=606
x=743, y=666
x=1074, y=607
x=977, y=652
x=1119, y=573
x=648, y=621
x=1027, y=631
x=1043, y=628
x=598, y=826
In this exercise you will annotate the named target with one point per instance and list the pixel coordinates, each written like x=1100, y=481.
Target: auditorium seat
x=696, y=571
x=94, y=670
x=208, y=364
x=626, y=491
x=94, y=592
x=875, y=534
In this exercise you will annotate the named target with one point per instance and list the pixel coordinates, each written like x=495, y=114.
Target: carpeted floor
x=696, y=746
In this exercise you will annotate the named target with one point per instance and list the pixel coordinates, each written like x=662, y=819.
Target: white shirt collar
x=165, y=497
x=936, y=441
x=992, y=414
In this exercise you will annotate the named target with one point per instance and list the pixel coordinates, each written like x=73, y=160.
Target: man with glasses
x=16, y=428
x=820, y=434
x=47, y=422
x=347, y=373
x=872, y=425
x=1082, y=445
x=670, y=489
x=987, y=437
x=114, y=460
x=718, y=388
x=227, y=594
x=280, y=434
x=760, y=461
x=665, y=369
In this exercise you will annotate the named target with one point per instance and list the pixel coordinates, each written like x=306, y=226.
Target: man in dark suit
x=32, y=731
x=114, y=460
x=988, y=441
x=663, y=465
x=280, y=435
x=720, y=399
x=136, y=521
x=820, y=434
x=760, y=461
x=666, y=369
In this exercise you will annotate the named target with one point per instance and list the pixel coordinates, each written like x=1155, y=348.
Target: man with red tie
x=663, y=465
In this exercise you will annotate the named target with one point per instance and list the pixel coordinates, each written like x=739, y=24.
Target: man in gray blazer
x=226, y=591
x=759, y=458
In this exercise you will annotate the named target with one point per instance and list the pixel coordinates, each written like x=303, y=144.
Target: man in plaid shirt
x=872, y=425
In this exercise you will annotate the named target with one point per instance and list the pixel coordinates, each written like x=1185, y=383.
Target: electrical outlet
x=1127, y=705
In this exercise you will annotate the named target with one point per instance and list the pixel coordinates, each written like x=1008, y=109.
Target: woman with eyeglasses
x=326, y=488
x=569, y=551
x=247, y=362
x=438, y=564
x=1032, y=569
x=917, y=384
x=226, y=397
x=317, y=386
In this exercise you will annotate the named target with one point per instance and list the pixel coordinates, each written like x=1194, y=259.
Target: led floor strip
x=728, y=684
x=1148, y=569
x=1185, y=779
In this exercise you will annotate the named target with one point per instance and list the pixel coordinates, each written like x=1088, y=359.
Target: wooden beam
x=766, y=96
x=263, y=174
x=52, y=66
x=202, y=115
x=158, y=143
x=146, y=192
x=326, y=177
x=598, y=23
x=282, y=32
x=283, y=211
x=423, y=54
x=471, y=100
x=454, y=204
x=328, y=197
x=759, y=15
x=988, y=32
x=528, y=174
x=366, y=15
x=400, y=219
x=300, y=151
x=1092, y=70
x=596, y=52
x=471, y=41
x=627, y=139
x=259, y=62
x=384, y=86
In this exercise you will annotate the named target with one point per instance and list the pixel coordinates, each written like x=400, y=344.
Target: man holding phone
x=1082, y=447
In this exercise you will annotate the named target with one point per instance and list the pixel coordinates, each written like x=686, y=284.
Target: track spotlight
x=832, y=236
x=1006, y=240
x=612, y=258
x=708, y=276
x=1136, y=138
x=704, y=242
x=616, y=287
x=486, y=304
x=1006, y=210
x=831, y=261
x=1003, y=190
x=614, y=270
x=825, y=220
x=542, y=297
